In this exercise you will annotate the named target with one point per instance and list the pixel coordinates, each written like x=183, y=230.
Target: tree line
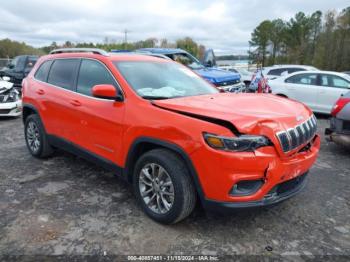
x=316, y=39
x=10, y=49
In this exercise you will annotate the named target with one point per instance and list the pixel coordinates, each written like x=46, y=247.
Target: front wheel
x=163, y=186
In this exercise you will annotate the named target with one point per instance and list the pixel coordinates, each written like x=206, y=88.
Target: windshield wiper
x=155, y=97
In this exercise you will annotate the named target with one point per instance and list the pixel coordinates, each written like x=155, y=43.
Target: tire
x=181, y=195
x=34, y=129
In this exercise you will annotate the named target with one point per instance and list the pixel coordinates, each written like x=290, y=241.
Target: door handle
x=75, y=103
x=40, y=91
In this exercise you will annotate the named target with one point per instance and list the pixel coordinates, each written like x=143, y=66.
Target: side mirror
x=107, y=92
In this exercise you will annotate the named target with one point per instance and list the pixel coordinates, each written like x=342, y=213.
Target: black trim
x=30, y=106
x=170, y=146
x=268, y=200
x=82, y=152
x=212, y=120
x=118, y=98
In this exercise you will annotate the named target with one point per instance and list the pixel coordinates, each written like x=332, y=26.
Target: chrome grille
x=298, y=135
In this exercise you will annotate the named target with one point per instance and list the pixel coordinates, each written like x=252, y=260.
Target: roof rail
x=79, y=50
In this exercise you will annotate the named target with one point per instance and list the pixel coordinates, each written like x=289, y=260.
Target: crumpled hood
x=5, y=86
x=249, y=113
x=216, y=75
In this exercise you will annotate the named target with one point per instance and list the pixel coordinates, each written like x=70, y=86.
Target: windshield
x=162, y=80
x=243, y=71
x=186, y=60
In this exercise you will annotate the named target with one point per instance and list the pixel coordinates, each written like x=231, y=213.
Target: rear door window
x=303, y=79
x=93, y=73
x=63, y=73
x=43, y=71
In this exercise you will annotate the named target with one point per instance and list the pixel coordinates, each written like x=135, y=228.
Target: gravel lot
x=67, y=206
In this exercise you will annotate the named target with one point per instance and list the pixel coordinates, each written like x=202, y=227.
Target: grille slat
x=295, y=137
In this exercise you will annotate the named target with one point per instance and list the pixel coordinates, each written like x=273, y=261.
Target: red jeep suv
x=169, y=132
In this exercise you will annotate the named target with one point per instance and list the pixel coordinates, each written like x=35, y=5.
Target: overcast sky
x=223, y=25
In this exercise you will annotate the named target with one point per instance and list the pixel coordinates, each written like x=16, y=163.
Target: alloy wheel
x=156, y=188
x=33, y=137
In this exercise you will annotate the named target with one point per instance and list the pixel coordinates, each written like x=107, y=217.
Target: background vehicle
x=246, y=76
x=169, y=132
x=339, y=131
x=19, y=68
x=228, y=81
x=275, y=71
x=10, y=101
x=317, y=89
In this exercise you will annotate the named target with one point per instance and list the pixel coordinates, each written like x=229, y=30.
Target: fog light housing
x=246, y=187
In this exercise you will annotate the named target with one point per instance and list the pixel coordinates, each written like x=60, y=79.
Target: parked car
x=169, y=132
x=10, y=101
x=19, y=68
x=275, y=71
x=228, y=81
x=317, y=89
x=246, y=76
x=339, y=131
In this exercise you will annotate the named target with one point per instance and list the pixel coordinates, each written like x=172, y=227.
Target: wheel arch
x=144, y=144
x=28, y=110
x=281, y=95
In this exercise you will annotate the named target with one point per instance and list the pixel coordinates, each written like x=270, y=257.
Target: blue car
x=226, y=80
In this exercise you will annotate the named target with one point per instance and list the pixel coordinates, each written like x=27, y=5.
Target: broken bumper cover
x=279, y=193
x=11, y=108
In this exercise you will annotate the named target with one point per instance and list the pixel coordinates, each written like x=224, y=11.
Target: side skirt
x=83, y=153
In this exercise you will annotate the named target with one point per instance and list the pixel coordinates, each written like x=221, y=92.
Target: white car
x=246, y=76
x=317, y=89
x=10, y=101
x=273, y=72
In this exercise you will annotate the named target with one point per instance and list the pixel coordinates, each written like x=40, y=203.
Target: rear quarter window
x=43, y=71
x=63, y=73
x=276, y=72
x=293, y=70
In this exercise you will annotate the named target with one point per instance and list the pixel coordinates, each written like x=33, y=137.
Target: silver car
x=339, y=131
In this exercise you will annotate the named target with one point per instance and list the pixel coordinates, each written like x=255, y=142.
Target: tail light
x=339, y=105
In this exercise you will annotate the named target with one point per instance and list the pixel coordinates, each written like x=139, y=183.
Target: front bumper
x=222, y=170
x=279, y=193
x=11, y=109
x=235, y=88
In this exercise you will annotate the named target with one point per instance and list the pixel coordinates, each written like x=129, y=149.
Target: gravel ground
x=67, y=206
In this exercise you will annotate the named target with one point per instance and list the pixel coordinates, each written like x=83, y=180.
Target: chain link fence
x=4, y=62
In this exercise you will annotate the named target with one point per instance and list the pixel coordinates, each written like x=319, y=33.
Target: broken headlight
x=247, y=143
x=10, y=96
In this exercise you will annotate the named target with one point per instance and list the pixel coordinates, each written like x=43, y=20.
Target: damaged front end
x=10, y=100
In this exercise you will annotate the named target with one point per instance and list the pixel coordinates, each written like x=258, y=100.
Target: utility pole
x=126, y=31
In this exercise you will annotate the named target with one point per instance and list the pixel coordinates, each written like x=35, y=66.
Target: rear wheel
x=36, y=138
x=163, y=186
